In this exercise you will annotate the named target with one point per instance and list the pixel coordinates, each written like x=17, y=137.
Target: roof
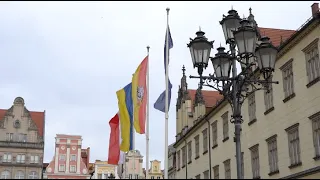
x=37, y=117
x=210, y=97
x=68, y=136
x=277, y=36
x=45, y=165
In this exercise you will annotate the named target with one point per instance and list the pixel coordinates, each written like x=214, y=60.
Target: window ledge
x=317, y=158
x=225, y=139
x=178, y=169
x=268, y=111
x=289, y=97
x=274, y=172
x=205, y=152
x=252, y=121
x=189, y=162
x=258, y=177
x=295, y=165
x=197, y=157
x=183, y=166
x=213, y=147
x=313, y=82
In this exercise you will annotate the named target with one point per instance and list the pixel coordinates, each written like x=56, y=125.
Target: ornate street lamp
x=242, y=37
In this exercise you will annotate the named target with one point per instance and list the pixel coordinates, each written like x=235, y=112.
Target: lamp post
x=246, y=47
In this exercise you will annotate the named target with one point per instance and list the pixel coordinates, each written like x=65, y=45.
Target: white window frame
x=73, y=157
x=189, y=151
x=214, y=127
x=205, y=140
x=255, y=161
x=225, y=127
x=273, y=154
x=19, y=175
x=62, y=168
x=33, y=175
x=5, y=174
x=73, y=169
x=294, y=145
x=288, y=78
x=312, y=60
x=227, y=169
x=197, y=145
x=7, y=157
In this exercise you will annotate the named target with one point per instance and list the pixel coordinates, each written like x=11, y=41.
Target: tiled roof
x=277, y=36
x=37, y=117
x=210, y=97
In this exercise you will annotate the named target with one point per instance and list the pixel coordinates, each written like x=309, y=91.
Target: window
x=312, y=60
x=255, y=164
x=189, y=152
x=62, y=157
x=33, y=175
x=9, y=136
x=5, y=175
x=152, y=177
x=35, y=159
x=183, y=156
x=19, y=175
x=158, y=177
x=61, y=168
x=6, y=157
x=268, y=97
x=73, y=157
x=205, y=140
x=20, y=158
x=216, y=172
x=99, y=176
x=252, y=107
x=178, y=159
x=287, y=76
x=225, y=126
x=273, y=154
x=294, y=145
x=206, y=174
x=316, y=133
x=130, y=176
x=72, y=169
x=227, y=169
x=197, y=145
x=214, y=133
x=137, y=176
x=198, y=176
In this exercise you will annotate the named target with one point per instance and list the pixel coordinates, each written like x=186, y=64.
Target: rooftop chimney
x=315, y=9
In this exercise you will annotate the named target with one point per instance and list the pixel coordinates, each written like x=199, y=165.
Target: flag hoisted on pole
x=147, y=121
x=167, y=44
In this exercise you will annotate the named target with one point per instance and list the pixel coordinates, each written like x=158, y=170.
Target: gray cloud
x=69, y=58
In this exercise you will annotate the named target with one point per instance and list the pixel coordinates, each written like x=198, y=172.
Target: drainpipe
x=209, y=149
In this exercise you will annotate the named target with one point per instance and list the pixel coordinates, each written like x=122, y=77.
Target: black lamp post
x=246, y=48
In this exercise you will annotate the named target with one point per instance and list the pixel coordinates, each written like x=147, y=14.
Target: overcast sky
x=70, y=58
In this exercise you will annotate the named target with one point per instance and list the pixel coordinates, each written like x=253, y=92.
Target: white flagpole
x=166, y=100
x=147, y=122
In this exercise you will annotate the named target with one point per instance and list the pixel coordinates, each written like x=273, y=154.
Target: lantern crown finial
x=183, y=70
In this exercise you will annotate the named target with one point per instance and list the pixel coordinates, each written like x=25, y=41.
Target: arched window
x=5, y=175
x=19, y=175
x=33, y=175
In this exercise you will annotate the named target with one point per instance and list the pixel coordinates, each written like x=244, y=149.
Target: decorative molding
x=292, y=128
x=286, y=64
x=314, y=116
x=272, y=138
x=311, y=46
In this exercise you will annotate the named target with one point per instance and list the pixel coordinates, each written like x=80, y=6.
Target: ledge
x=313, y=82
x=225, y=139
x=178, y=169
x=289, y=97
x=205, y=152
x=197, y=157
x=274, y=172
x=189, y=162
x=183, y=166
x=252, y=121
x=213, y=147
x=269, y=110
x=295, y=165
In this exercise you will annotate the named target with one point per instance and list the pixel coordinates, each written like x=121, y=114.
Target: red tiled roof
x=276, y=35
x=210, y=97
x=37, y=117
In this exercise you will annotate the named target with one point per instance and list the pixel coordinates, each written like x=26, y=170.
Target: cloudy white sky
x=70, y=58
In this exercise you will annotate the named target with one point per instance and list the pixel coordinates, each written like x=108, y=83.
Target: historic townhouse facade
x=70, y=160
x=21, y=142
x=103, y=170
x=132, y=166
x=171, y=162
x=281, y=131
x=155, y=171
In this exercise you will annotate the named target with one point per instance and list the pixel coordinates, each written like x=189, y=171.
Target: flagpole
x=166, y=101
x=147, y=122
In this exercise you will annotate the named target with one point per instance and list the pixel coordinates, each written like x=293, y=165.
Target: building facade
x=103, y=170
x=132, y=166
x=21, y=142
x=171, y=162
x=155, y=171
x=280, y=134
x=70, y=160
